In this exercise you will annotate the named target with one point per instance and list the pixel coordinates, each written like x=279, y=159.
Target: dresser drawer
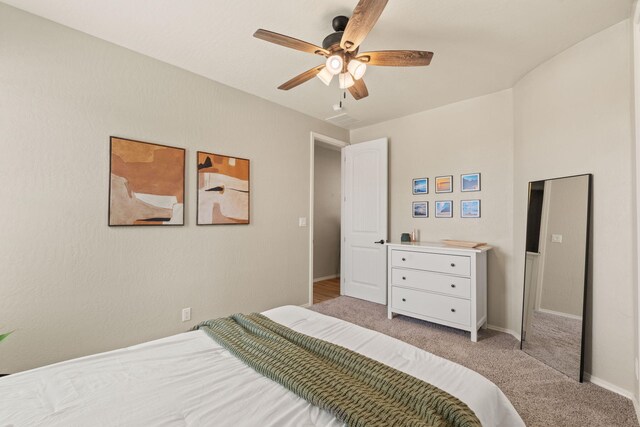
x=435, y=282
x=441, y=307
x=451, y=264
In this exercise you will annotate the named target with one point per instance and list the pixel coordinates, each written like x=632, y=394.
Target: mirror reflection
x=555, y=272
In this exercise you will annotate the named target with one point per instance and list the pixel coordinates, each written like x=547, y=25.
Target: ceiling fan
x=341, y=51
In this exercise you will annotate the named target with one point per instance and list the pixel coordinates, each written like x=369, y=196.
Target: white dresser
x=438, y=283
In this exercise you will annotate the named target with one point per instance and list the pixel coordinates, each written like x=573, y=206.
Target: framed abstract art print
x=223, y=189
x=146, y=184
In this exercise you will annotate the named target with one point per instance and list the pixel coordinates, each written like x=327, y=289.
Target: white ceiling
x=480, y=46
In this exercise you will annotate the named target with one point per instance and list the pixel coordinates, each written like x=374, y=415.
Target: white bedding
x=189, y=380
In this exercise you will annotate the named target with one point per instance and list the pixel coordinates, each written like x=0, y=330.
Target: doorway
x=325, y=217
x=636, y=60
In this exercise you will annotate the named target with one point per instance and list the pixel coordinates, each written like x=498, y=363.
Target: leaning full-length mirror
x=557, y=246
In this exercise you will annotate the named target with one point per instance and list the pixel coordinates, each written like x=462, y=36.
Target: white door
x=364, y=221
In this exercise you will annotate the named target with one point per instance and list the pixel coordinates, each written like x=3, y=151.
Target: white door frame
x=635, y=28
x=312, y=144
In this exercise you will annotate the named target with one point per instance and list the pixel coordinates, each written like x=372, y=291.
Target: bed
x=190, y=380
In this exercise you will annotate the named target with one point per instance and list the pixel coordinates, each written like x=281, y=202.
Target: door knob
x=403, y=299
x=453, y=265
x=380, y=242
x=404, y=278
x=403, y=259
x=453, y=310
x=453, y=286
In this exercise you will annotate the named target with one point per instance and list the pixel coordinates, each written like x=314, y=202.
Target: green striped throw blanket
x=357, y=390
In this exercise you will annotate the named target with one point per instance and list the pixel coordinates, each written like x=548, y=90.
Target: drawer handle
x=453, y=310
x=404, y=300
x=453, y=265
x=404, y=259
x=453, y=286
x=404, y=278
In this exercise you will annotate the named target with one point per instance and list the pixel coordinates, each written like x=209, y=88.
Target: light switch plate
x=556, y=238
x=302, y=221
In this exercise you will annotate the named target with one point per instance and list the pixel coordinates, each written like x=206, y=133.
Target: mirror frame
x=586, y=265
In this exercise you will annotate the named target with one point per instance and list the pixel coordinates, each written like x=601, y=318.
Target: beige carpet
x=541, y=395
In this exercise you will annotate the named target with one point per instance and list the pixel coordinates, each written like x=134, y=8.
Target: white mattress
x=189, y=380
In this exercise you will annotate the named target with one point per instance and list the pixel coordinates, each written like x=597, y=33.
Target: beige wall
x=573, y=116
x=69, y=284
x=326, y=212
x=565, y=214
x=475, y=135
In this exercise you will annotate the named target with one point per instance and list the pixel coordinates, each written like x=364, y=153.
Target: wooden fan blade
x=396, y=58
x=359, y=90
x=301, y=78
x=364, y=17
x=290, y=42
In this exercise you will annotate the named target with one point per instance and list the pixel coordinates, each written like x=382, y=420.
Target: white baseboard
x=320, y=279
x=559, y=313
x=614, y=388
x=516, y=335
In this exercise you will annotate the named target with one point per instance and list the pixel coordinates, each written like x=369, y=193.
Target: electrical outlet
x=186, y=314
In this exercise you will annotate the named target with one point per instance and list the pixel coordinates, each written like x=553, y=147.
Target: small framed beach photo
x=420, y=186
x=444, y=209
x=470, y=182
x=420, y=209
x=444, y=184
x=470, y=208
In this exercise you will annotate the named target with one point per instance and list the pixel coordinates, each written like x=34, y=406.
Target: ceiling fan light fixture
x=345, y=80
x=325, y=76
x=334, y=64
x=357, y=68
x=341, y=50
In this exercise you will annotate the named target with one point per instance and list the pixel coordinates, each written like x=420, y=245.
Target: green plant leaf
x=3, y=336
